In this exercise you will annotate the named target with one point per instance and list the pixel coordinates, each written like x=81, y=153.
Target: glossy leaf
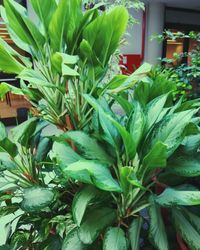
x=134, y=233
x=185, y=166
x=186, y=230
x=9, y=147
x=72, y=241
x=81, y=200
x=115, y=239
x=157, y=232
x=94, y=222
x=37, y=198
x=93, y=172
x=89, y=146
x=173, y=197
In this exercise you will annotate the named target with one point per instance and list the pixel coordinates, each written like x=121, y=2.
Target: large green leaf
x=22, y=25
x=24, y=132
x=193, y=218
x=8, y=63
x=44, y=10
x=157, y=233
x=184, y=166
x=186, y=230
x=93, y=172
x=72, y=241
x=115, y=239
x=154, y=109
x=57, y=26
x=174, y=197
x=37, y=198
x=170, y=130
x=156, y=158
x=109, y=31
x=64, y=154
x=134, y=233
x=81, y=200
x=89, y=146
x=94, y=222
x=43, y=148
x=128, y=140
x=136, y=123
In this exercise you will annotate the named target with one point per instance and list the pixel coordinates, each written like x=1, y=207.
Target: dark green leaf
x=72, y=241
x=134, y=233
x=94, y=222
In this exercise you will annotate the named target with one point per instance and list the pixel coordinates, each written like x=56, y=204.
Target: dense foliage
x=96, y=178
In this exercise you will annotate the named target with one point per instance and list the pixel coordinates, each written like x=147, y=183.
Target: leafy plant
x=66, y=56
x=147, y=149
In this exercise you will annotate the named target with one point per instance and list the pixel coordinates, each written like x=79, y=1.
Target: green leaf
x=194, y=219
x=94, y=222
x=134, y=233
x=173, y=197
x=7, y=146
x=43, y=148
x=115, y=239
x=109, y=31
x=88, y=146
x=35, y=78
x=156, y=158
x=8, y=63
x=44, y=10
x=184, y=166
x=81, y=200
x=3, y=132
x=186, y=230
x=170, y=130
x=5, y=88
x=72, y=241
x=24, y=132
x=6, y=162
x=37, y=198
x=57, y=26
x=64, y=154
x=136, y=123
x=154, y=109
x=93, y=172
x=157, y=232
x=129, y=142
x=22, y=25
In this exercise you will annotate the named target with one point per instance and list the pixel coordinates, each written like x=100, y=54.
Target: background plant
x=66, y=56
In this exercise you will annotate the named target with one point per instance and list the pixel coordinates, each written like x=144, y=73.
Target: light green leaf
x=173, y=197
x=37, y=198
x=8, y=63
x=186, y=230
x=115, y=239
x=57, y=26
x=93, y=172
x=44, y=10
x=157, y=232
x=81, y=201
x=94, y=222
x=108, y=30
x=134, y=233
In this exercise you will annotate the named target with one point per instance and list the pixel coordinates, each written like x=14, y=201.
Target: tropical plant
x=67, y=58
x=135, y=167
